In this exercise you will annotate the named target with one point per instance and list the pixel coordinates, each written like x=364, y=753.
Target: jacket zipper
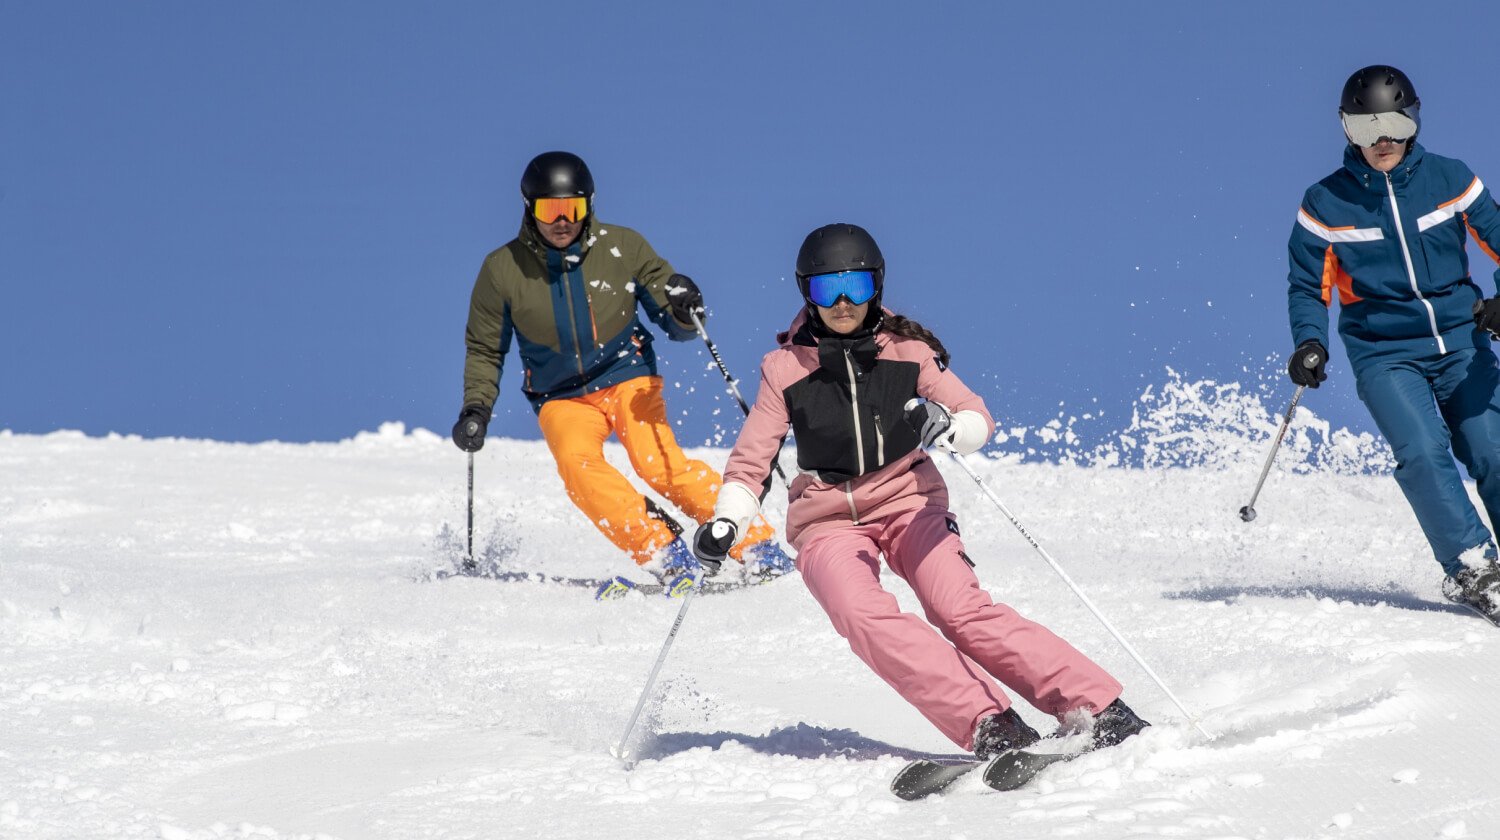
x=879, y=444
x=849, y=495
x=859, y=438
x=572, y=317
x=1411, y=272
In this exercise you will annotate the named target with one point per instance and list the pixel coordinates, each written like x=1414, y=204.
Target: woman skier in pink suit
x=845, y=379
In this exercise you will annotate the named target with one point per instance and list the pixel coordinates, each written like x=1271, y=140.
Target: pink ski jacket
x=843, y=399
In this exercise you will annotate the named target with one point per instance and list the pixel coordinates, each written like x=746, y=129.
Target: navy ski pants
x=1425, y=408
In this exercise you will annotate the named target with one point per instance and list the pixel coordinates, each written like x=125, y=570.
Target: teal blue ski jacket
x=1392, y=246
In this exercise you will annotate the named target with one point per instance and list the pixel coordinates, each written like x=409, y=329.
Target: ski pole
x=469, y=565
x=734, y=387
x=623, y=751
x=990, y=494
x=1247, y=513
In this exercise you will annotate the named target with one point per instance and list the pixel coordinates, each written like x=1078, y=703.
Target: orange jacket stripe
x=1335, y=277
x=1483, y=246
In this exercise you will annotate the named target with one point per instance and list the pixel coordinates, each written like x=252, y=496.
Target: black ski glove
x=931, y=421
x=1307, y=363
x=684, y=299
x=712, y=543
x=1487, y=316
x=468, y=432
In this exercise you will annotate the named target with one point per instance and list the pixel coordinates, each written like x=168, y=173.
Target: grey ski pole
x=990, y=494
x=470, y=567
x=623, y=751
x=1247, y=513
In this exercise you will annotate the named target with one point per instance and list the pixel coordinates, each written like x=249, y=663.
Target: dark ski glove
x=468, y=432
x=1307, y=363
x=1487, y=316
x=931, y=421
x=712, y=543
x=684, y=299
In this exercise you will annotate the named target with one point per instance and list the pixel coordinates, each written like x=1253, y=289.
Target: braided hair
x=907, y=328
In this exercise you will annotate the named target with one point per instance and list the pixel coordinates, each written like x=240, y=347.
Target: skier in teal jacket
x=1386, y=233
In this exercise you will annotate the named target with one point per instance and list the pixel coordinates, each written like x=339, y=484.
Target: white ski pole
x=1247, y=513
x=990, y=494
x=623, y=751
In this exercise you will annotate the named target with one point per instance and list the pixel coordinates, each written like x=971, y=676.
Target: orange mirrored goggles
x=549, y=210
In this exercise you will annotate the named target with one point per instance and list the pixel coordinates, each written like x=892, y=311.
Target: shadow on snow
x=797, y=741
x=1396, y=598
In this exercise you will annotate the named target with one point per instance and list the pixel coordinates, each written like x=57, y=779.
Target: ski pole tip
x=1247, y=513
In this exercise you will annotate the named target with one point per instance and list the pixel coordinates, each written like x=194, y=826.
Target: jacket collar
x=836, y=354
x=862, y=346
x=1373, y=179
x=554, y=259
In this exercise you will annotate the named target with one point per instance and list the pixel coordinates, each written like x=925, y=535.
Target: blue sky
x=262, y=221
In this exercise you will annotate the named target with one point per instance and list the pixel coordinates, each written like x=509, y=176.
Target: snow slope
x=206, y=640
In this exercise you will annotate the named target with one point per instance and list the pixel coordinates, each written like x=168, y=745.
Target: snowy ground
x=205, y=640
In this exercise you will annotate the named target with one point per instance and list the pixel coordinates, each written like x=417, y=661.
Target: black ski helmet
x=1380, y=89
x=840, y=247
x=556, y=175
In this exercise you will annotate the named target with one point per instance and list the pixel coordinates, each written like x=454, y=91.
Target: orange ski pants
x=576, y=429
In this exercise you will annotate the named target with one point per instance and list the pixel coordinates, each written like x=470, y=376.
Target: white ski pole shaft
x=1247, y=513
x=990, y=494
x=623, y=752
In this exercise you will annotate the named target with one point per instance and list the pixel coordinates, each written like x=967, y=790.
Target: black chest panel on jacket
x=846, y=429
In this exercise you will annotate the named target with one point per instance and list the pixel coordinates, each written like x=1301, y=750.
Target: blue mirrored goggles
x=826, y=289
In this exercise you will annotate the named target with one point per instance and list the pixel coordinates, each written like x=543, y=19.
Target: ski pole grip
x=473, y=428
x=1311, y=361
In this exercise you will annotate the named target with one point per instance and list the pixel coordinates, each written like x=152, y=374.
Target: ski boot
x=675, y=568
x=1478, y=589
x=765, y=560
x=1000, y=732
x=1116, y=723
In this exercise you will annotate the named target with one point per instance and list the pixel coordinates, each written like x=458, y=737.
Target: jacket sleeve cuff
x=970, y=432
x=738, y=504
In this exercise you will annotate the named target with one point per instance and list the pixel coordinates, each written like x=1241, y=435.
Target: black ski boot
x=1004, y=731
x=1478, y=588
x=1116, y=723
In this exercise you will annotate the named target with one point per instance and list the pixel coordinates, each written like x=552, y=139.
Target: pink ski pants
x=940, y=667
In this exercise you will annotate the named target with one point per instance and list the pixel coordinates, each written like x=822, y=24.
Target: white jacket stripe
x=1328, y=234
x=1452, y=208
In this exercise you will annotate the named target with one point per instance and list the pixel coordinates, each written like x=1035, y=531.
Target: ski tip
x=679, y=586
x=613, y=589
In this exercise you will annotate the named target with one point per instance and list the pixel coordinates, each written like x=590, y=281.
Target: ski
x=1014, y=768
x=612, y=588
x=618, y=587
x=1009, y=770
x=925, y=777
x=1493, y=620
x=510, y=576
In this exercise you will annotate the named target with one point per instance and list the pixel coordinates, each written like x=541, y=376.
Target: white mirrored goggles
x=1369, y=129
